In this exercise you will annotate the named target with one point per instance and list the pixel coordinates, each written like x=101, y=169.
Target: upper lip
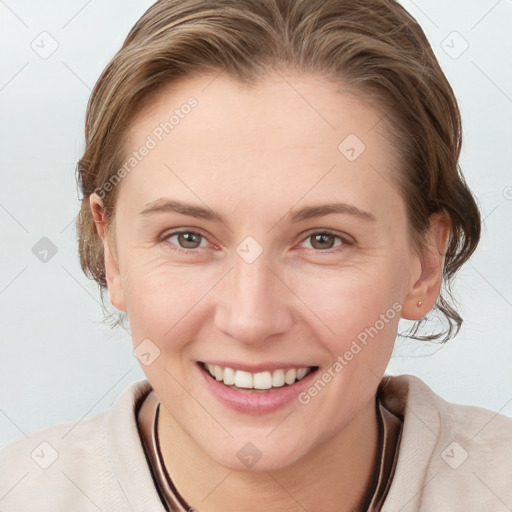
x=258, y=368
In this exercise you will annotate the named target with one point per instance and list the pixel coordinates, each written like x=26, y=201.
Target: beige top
x=390, y=429
x=452, y=458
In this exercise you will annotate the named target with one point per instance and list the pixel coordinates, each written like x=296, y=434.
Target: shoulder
x=50, y=465
x=410, y=396
x=66, y=466
x=451, y=457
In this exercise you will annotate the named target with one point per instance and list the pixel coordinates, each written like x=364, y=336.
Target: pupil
x=189, y=239
x=322, y=238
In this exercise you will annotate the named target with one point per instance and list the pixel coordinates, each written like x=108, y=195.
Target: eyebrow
x=307, y=212
x=310, y=212
x=169, y=205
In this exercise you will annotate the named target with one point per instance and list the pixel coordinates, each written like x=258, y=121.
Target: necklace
x=389, y=428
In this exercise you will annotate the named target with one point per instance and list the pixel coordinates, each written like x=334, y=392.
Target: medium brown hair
x=373, y=48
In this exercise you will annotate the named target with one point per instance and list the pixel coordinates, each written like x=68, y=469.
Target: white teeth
x=290, y=376
x=261, y=380
x=243, y=379
x=278, y=378
x=229, y=376
x=301, y=373
x=219, y=374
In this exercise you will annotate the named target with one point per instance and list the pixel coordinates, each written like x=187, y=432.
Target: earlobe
x=424, y=292
x=112, y=273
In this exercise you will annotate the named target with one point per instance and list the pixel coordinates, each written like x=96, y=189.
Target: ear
x=112, y=274
x=425, y=288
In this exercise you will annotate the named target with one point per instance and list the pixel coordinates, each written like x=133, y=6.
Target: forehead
x=284, y=137
x=266, y=112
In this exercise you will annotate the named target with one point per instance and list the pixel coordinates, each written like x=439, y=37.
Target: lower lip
x=255, y=403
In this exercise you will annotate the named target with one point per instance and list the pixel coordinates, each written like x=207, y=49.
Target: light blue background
x=58, y=362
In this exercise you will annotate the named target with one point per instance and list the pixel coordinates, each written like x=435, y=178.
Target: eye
x=325, y=240
x=186, y=240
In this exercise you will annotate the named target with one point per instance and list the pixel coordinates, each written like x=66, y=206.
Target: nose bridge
x=253, y=301
x=251, y=281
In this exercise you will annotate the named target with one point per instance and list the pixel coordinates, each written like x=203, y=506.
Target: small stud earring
x=420, y=303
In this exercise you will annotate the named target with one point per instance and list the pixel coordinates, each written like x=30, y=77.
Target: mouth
x=265, y=381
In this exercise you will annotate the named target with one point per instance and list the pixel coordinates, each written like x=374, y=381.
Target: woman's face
x=294, y=254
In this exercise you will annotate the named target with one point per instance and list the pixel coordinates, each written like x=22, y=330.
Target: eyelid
x=344, y=237
x=168, y=234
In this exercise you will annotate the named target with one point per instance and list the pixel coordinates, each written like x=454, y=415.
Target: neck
x=334, y=477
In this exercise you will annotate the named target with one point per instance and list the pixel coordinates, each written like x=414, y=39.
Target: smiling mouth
x=265, y=381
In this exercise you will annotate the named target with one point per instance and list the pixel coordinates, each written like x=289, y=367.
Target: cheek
x=164, y=314
x=362, y=313
x=162, y=298
x=348, y=300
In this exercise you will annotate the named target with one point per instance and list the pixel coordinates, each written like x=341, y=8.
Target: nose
x=253, y=303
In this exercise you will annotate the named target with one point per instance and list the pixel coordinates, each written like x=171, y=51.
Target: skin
x=252, y=155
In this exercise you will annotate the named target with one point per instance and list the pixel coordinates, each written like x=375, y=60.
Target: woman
x=268, y=187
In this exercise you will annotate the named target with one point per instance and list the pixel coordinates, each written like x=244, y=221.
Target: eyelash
x=344, y=241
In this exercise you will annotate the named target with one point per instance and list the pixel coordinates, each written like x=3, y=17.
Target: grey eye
x=187, y=239
x=323, y=240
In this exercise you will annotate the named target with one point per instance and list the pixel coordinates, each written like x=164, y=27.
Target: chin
x=257, y=453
